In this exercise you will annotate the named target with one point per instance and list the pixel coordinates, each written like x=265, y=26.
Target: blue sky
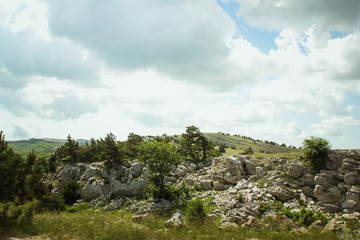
x=272, y=70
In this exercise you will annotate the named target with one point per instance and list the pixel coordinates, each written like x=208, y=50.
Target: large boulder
x=280, y=193
x=295, y=170
x=93, y=189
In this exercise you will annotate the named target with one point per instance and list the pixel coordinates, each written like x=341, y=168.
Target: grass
x=237, y=145
x=88, y=224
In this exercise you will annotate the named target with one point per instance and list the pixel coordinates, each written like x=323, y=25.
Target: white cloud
x=333, y=126
x=300, y=15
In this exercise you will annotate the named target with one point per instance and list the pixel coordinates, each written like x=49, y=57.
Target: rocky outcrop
x=242, y=188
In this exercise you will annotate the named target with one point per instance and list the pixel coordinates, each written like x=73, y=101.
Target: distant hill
x=43, y=147
x=234, y=144
x=238, y=144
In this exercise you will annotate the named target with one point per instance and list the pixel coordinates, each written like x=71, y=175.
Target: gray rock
x=352, y=178
x=206, y=184
x=176, y=221
x=228, y=225
x=295, y=170
x=114, y=205
x=348, y=165
x=250, y=167
x=280, y=194
x=136, y=169
x=218, y=186
x=93, y=189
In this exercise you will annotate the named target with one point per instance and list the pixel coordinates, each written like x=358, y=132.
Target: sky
x=277, y=70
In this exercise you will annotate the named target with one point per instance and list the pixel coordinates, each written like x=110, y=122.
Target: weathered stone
x=331, y=208
x=141, y=218
x=348, y=165
x=259, y=173
x=229, y=225
x=308, y=179
x=136, y=169
x=218, y=186
x=280, y=194
x=93, y=189
x=206, y=184
x=252, y=222
x=295, y=170
x=181, y=171
x=334, y=226
x=236, y=166
x=352, y=178
x=250, y=167
x=176, y=221
x=114, y=205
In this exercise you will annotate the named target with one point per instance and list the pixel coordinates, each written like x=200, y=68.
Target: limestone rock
x=176, y=221
x=93, y=189
x=136, y=169
x=295, y=170
x=229, y=225
x=141, y=218
x=280, y=193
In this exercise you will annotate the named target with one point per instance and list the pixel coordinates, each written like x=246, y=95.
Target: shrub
x=70, y=192
x=13, y=215
x=315, y=152
x=195, y=211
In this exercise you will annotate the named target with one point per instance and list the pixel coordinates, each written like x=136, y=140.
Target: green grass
x=43, y=147
x=116, y=225
x=237, y=145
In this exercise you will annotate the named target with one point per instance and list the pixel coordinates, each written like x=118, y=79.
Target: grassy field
x=89, y=224
x=237, y=144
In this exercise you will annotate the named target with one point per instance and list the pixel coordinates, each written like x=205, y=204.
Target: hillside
x=43, y=147
x=238, y=144
x=234, y=144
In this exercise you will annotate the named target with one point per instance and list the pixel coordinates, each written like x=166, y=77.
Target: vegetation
x=315, y=151
x=88, y=224
x=27, y=207
x=158, y=156
x=195, y=146
x=22, y=186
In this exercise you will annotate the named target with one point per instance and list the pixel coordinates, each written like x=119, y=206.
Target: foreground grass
x=107, y=225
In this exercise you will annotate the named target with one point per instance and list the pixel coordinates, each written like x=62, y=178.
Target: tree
x=132, y=145
x=158, y=156
x=111, y=152
x=315, y=152
x=195, y=146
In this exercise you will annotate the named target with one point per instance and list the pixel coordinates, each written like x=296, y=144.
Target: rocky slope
x=241, y=187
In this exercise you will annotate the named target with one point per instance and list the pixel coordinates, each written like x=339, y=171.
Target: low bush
x=315, y=152
x=195, y=211
x=70, y=192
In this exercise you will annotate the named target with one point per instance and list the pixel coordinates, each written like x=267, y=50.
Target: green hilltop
x=234, y=144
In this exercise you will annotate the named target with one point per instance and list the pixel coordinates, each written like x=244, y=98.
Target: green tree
x=132, y=145
x=195, y=146
x=315, y=152
x=111, y=152
x=158, y=156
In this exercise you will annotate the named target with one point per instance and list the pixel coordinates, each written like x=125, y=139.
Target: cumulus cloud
x=180, y=39
x=301, y=15
x=20, y=133
x=333, y=126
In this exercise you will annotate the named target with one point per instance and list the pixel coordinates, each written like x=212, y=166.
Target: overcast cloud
x=92, y=67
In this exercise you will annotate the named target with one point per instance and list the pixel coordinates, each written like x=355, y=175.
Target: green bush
x=70, y=192
x=195, y=211
x=77, y=207
x=14, y=215
x=315, y=152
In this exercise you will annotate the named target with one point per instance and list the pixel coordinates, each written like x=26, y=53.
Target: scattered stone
x=228, y=225
x=176, y=221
